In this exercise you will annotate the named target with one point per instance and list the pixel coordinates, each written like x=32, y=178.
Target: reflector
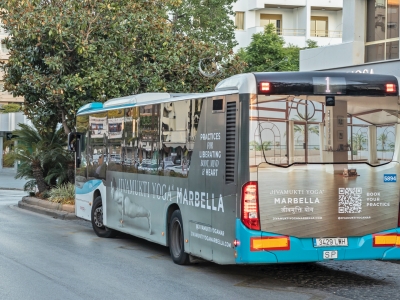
x=270, y=243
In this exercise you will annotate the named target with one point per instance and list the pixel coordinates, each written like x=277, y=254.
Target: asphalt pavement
x=55, y=210
x=8, y=181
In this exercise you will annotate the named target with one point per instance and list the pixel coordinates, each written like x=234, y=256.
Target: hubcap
x=98, y=216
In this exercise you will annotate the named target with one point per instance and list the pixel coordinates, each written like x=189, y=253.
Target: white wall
x=10, y=121
x=292, y=18
x=351, y=52
x=334, y=56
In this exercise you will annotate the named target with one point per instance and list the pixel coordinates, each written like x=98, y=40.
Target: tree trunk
x=64, y=123
x=71, y=171
x=38, y=175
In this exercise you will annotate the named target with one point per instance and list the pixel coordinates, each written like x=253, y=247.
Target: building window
x=382, y=41
x=319, y=26
x=266, y=19
x=239, y=20
x=3, y=48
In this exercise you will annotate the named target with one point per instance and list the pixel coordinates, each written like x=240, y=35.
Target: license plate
x=330, y=242
x=330, y=254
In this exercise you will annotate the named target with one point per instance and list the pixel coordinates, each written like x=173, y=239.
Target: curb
x=55, y=210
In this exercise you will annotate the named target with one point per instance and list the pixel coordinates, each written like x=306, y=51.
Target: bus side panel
x=84, y=197
x=211, y=220
x=137, y=203
x=197, y=219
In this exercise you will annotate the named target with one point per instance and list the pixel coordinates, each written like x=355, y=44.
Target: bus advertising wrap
x=325, y=171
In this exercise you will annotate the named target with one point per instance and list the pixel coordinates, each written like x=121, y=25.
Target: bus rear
x=323, y=153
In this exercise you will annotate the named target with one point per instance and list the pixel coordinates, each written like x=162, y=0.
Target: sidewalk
x=8, y=182
x=55, y=210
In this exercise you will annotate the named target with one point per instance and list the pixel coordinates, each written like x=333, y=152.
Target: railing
x=326, y=33
x=291, y=32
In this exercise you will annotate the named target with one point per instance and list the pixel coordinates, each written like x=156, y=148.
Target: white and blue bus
x=268, y=168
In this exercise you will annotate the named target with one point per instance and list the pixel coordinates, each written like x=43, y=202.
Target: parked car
x=127, y=161
x=177, y=169
x=149, y=167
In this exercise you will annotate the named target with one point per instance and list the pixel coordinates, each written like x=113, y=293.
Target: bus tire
x=176, y=239
x=97, y=220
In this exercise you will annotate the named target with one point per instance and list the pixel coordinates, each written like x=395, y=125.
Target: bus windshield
x=288, y=129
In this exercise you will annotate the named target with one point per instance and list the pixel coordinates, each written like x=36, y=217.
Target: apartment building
x=10, y=121
x=5, y=97
x=370, y=41
x=295, y=20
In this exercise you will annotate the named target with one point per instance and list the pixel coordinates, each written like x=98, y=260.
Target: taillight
x=264, y=87
x=390, y=88
x=250, y=213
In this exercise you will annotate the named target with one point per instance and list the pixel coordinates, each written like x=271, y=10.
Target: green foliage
x=359, y=141
x=267, y=52
x=10, y=108
x=30, y=186
x=42, y=156
x=383, y=138
x=266, y=145
x=64, y=194
x=44, y=195
x=66, y=53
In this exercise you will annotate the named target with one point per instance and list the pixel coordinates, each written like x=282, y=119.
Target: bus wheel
x=176, y=239
x=97, y=220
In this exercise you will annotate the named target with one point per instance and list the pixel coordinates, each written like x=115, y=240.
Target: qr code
x=350, y=200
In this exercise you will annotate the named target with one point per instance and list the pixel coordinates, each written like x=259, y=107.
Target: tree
x=206, y=20
x=10, y=108
x=267, y=52
x=383, y=138
x=66, y=53
x=40, y=156
x=359, y=140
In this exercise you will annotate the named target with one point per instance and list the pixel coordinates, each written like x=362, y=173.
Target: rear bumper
x=302, y=249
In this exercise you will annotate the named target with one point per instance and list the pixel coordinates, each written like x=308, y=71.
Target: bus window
x=290, y=129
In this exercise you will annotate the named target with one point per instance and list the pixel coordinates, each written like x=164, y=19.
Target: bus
x=267, y=168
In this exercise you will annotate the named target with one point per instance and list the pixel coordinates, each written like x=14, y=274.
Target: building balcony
x=295, y=37
x=326, y=33
x=283, y=32
x=261, y=4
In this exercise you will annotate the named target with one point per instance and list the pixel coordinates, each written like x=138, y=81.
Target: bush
x=11, y=107
x=64, y=194
x=44, y=195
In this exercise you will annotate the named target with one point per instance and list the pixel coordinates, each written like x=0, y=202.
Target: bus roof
x=292, y=83
x=311, y=83
x=144, y=99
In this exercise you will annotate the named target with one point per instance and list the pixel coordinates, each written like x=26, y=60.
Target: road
x=46, y=258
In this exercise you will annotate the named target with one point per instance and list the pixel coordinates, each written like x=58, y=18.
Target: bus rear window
x=287, y=129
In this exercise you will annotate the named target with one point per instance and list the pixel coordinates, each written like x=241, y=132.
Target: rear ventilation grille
x=230, y=159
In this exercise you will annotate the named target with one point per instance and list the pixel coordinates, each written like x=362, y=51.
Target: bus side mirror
x=74, y=141
x=74, y=145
